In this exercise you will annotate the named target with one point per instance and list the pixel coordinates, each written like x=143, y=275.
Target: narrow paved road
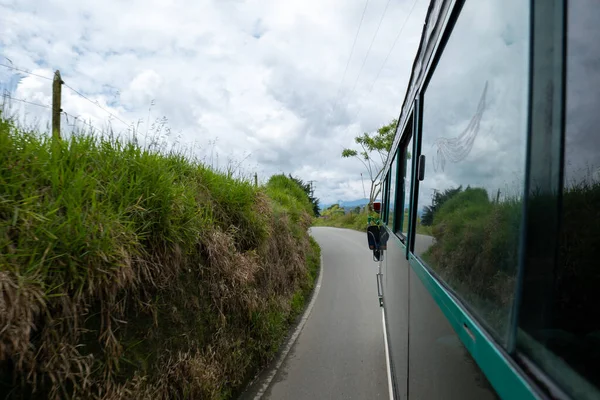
x=340, y=352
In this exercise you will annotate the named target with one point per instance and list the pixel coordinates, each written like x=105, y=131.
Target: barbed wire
x=25, y=71
x=8, y=96
x=69, y=87
x=77, y=119
x=96, y=104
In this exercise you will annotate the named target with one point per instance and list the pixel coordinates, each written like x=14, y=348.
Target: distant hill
x=347, y=204
x=351, y=204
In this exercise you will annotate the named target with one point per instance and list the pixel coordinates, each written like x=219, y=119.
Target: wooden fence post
x=56, y=100
x=255, y=179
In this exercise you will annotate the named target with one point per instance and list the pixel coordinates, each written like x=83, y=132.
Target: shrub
x=476, y=250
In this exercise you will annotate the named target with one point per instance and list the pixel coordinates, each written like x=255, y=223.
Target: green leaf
x=349, y=153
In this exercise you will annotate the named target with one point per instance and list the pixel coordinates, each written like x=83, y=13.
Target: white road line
x=293, y=338
x=387, y=356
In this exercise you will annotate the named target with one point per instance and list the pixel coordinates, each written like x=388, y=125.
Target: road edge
x=292, y=340
x=387, y=355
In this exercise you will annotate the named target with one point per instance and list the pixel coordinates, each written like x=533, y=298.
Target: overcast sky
x=256, y=80
x=475, y=107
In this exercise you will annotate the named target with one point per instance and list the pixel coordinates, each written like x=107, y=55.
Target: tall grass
x=131, y=273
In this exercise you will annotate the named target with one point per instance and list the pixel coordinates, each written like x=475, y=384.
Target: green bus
x=491, y=202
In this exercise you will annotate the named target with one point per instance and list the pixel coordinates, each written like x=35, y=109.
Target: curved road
x=339, y=353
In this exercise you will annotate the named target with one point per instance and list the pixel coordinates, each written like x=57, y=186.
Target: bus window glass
x=384, y=200
x=406, y=152
x=474, y=140
x=568, y=343
x=392, y=192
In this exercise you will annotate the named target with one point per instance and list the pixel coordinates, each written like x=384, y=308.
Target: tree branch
x=368, y=159
x=383, y=157
x=362, y=161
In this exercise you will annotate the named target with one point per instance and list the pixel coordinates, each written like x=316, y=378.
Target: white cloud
x=259, y=76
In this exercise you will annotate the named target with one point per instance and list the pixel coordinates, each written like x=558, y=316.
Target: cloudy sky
x=258, y=81
x=475, y=107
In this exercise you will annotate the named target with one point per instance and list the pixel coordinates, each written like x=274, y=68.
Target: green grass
x=356, y=221
x=289, y=196
x=129, y=271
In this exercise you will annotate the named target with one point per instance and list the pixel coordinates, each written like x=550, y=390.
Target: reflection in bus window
x=406, y=152
x=384, y=200
x=474, y=140
x=568, y=345
x=392, y=192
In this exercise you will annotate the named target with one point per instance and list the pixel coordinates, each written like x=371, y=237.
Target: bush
x=477, y=245
x=476, y=251
x=579, y=251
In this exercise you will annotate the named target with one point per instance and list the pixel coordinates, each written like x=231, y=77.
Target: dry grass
x=126, y=273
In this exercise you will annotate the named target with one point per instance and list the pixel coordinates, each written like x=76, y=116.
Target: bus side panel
x=440, y=366
x=396, y=310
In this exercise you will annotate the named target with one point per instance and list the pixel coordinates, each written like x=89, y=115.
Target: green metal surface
x=501, y=373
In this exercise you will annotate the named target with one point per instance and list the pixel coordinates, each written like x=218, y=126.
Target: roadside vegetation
x=337, y=217
x=476, y=249
x=356, y=219
x=373, y=154
x=127, y=273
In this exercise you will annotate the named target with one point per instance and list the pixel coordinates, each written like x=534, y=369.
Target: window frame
x=393, y=174
x=406, y=139
x=546, y=159
x=385, y=194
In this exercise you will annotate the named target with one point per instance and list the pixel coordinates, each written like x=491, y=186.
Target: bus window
x=565, y=341
x=474, y=136
x=392, y=191
x=405, y=179
x=384, y=199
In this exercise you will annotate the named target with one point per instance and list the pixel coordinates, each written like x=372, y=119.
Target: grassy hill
x=131, y=274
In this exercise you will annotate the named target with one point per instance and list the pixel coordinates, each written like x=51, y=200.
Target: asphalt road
x=340, y=352
x=422, y=243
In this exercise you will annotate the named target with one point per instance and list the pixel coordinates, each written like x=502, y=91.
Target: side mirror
x=373, y=237
x=383, y=238
x=377, y=237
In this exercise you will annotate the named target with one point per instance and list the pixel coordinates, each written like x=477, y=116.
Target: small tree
x=333, y=209
x=439, y=198
x=308, y=190
x=374, y=152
